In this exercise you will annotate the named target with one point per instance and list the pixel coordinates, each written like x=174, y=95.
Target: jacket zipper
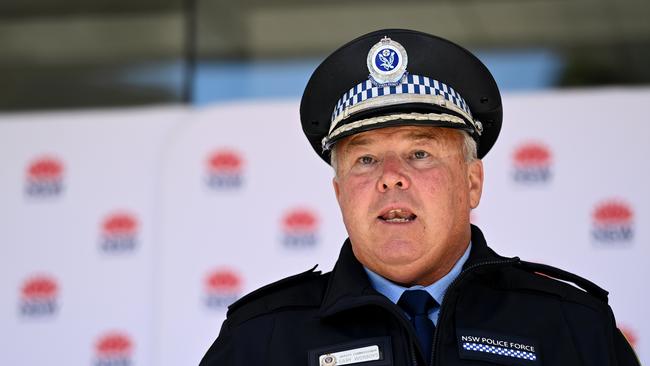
x=451, y=286
x=413, y=357
x=389, y=306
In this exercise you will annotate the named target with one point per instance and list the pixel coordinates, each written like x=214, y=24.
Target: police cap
x=396, y=77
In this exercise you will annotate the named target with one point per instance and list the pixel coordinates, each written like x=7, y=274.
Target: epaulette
x=285, y=282
x=561, y=275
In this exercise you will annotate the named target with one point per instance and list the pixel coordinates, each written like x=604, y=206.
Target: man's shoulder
x=540, y=278
x=303, y=290
x=557, y=282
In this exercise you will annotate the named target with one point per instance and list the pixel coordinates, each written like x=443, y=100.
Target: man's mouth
x=397, y=215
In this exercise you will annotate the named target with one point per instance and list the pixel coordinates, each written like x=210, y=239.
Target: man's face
x=405, y=194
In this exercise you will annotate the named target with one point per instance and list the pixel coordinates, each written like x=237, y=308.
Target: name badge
x=364, y=354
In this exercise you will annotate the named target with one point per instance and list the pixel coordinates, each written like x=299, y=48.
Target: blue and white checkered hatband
x=367, y=95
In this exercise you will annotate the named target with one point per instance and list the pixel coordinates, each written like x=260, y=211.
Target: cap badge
x=387, y=62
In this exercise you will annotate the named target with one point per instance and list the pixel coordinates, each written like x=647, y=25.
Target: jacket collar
x=348, y=284
x=480, y=251
x=349, y=287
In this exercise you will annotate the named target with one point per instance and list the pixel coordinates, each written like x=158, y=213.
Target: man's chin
x=398, y=260
x=399, y=251
x=396, y=266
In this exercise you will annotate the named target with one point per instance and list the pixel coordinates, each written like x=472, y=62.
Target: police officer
x=404, y=118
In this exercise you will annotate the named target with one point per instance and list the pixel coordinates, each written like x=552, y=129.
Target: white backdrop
x=127, y=232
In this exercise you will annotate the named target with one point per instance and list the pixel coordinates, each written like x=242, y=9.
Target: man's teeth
x=397, y=219
x=398, y=215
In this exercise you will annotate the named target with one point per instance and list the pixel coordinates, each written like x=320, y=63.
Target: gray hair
x=469, y=151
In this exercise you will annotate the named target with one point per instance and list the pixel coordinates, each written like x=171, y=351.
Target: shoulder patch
x=561, y=275
x=283, y=283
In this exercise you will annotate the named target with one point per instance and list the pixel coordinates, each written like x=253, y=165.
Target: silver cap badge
x=387, y=62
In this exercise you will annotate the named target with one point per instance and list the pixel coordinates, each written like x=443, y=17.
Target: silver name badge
x=357, y=355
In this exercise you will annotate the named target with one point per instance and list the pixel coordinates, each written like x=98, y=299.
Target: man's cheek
x=432, y=182
x=358, y=186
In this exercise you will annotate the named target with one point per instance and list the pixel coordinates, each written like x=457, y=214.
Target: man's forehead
x=406, y=133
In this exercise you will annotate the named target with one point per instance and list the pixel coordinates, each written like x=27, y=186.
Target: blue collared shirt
x=437, y=289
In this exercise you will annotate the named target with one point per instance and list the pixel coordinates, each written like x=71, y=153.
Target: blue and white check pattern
x=499, y=351
x=414, y=84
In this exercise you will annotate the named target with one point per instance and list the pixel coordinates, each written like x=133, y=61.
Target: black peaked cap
x=428, y=56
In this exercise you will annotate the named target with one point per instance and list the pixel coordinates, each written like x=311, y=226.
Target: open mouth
x=397, y=215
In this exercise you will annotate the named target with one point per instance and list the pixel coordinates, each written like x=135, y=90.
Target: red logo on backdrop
x=300, y=228
x=532, y=163
x=113, y=349
x=629, y=334
x=613, y=222
x=39, y=296
x=224, y=170
x=119, y=233
x=222, y=288
x=44, y=177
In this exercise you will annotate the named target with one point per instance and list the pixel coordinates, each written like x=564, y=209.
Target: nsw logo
x=224, y=170
x=119, y=233
x=44, y=177
x=300, y=228
x=532, y=163
x=613, y=222
x=113, y=349
x=222, y=288
x=39, y=297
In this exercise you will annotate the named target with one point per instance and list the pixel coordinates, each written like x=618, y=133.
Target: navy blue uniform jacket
x=499, y=311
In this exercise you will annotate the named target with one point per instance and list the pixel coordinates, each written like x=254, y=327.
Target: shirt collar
x=437, y=289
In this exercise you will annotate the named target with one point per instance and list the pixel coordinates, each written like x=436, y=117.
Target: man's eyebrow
x=418, y=135
x=359, y=141
x=413, y=136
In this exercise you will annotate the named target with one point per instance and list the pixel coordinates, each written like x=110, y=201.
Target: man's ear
x=475, y=179
x=335, y=184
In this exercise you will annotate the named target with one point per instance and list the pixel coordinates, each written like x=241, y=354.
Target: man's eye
x=420, y=154
x=366, y=160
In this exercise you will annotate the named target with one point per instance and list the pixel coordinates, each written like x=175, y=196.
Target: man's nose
x=393, y=174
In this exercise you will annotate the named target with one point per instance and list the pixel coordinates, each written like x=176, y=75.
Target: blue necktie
x=417, y=304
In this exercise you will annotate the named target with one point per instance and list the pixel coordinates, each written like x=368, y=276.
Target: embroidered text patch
x=504, y=349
